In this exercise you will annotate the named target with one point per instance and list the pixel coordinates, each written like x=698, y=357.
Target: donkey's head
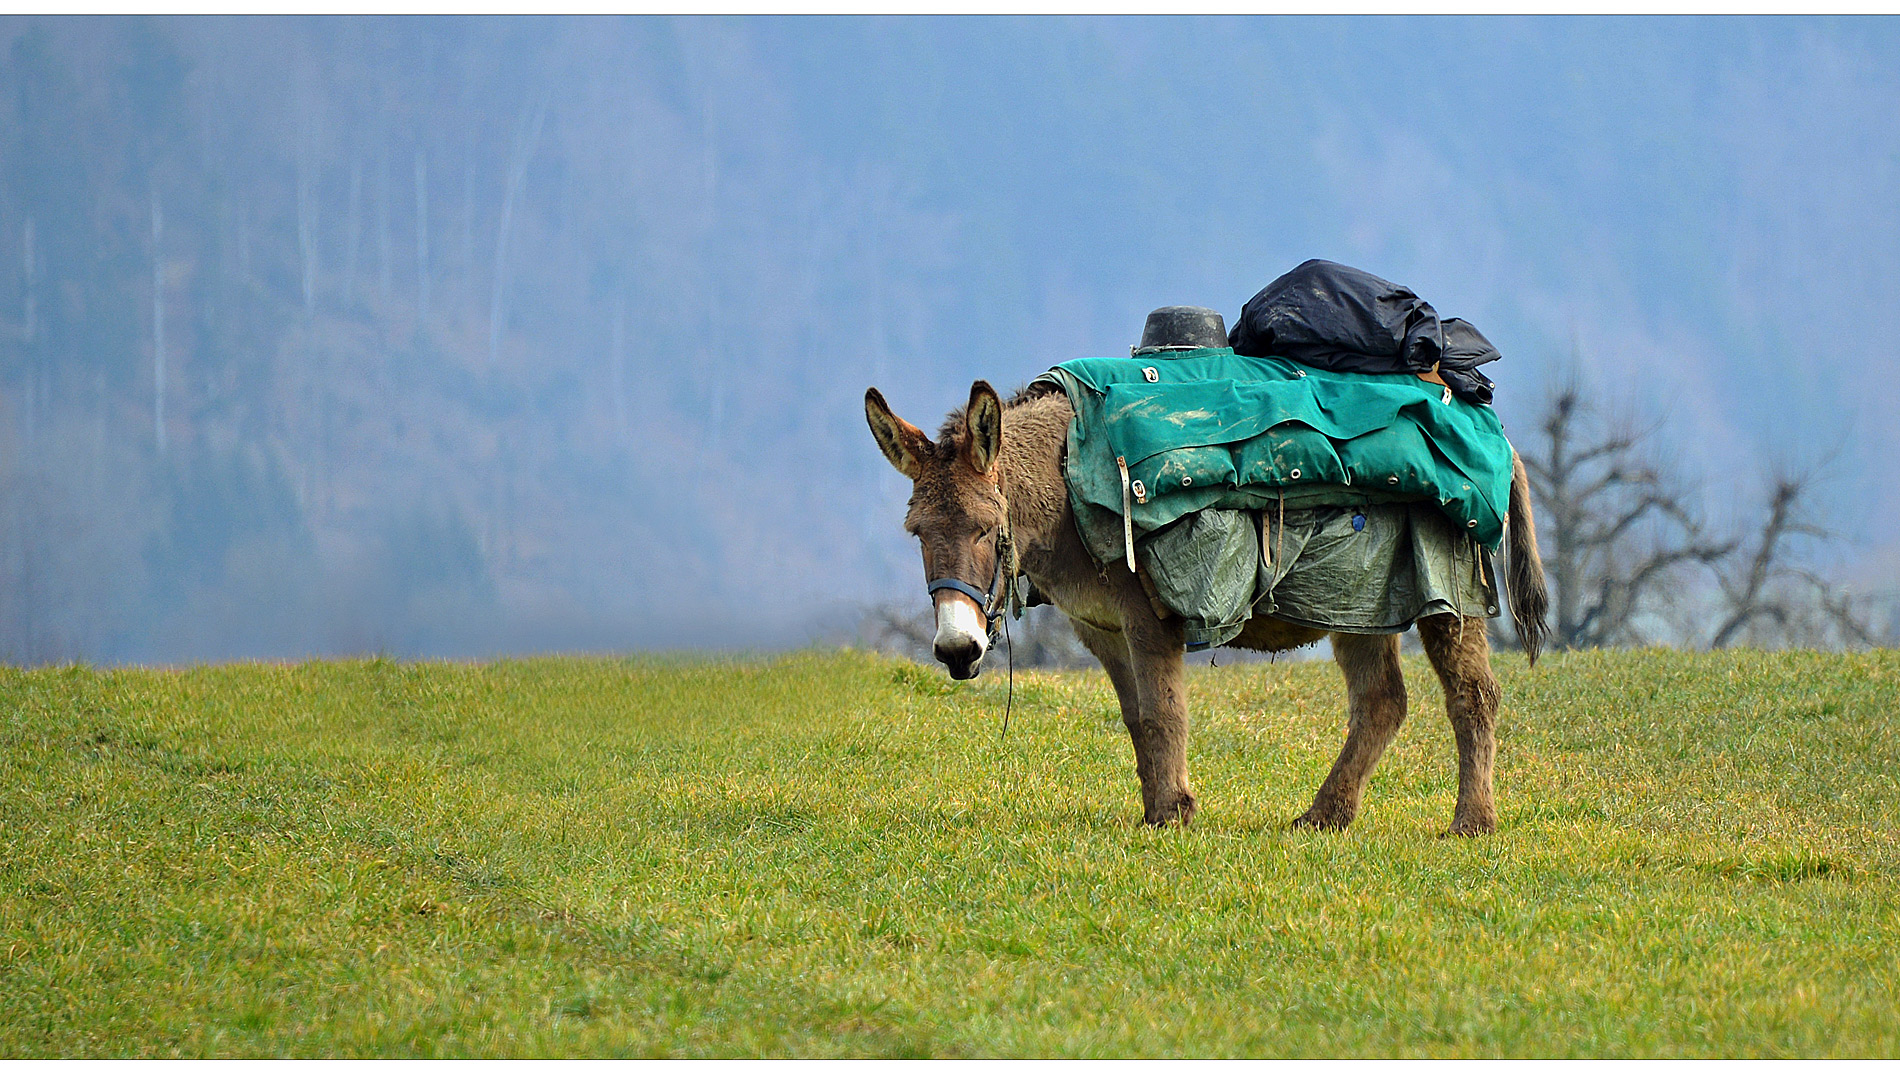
x=957, y=511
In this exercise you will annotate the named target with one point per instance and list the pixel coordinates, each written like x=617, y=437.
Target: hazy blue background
x=508, y=335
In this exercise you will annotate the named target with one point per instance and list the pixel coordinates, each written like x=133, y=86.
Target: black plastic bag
x=1337, y=317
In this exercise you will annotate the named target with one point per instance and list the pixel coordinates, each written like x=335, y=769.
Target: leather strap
x=982, y=599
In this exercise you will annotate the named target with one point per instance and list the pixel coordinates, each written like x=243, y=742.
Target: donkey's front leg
x=1111, y=648
x=1461, y=654
x=1159, y=728
x=1375, y=707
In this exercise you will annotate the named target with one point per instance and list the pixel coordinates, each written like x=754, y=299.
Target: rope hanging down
x=1006, y=602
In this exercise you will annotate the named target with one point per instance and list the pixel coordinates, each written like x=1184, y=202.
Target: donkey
x=993, y=477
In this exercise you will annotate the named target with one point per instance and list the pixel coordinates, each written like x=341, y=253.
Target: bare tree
x=1622, y=541
x=1615, y=528
x=1772, y=600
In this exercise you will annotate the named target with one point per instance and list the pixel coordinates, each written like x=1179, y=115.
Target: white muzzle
x=962, y=636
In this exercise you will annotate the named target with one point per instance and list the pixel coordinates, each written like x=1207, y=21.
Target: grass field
x=832, y=854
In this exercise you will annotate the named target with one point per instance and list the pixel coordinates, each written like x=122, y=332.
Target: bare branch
x=1839, y=609
x=1617, y=529
x=1614, y=446
x=1748, y=591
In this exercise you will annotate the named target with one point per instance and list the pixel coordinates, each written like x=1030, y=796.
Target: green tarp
x=1210, y=439
x=1364, y=570
x=1216, y=429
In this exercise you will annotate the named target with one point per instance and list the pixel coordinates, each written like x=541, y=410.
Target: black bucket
x=1181, y=328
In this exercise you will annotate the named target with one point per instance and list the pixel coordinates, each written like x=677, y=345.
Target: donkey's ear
x=903, y=444
x=985, y=418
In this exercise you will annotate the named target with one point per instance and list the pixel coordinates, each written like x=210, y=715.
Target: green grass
x=832, y=854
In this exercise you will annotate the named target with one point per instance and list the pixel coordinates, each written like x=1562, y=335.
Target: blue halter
x=982, y=599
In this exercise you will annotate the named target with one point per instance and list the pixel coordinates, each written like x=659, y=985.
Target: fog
x=455, y=337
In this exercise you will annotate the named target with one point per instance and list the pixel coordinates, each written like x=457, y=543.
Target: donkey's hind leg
x=1461, y=654
x=1375, y=707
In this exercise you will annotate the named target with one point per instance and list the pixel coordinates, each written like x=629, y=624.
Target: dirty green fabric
x=1220, y=430
x=1405, y=561
x=1219, y=446
x=1206, y=567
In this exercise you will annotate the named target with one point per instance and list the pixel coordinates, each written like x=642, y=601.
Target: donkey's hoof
x=1470, y=826
x=1323, y=820
x=1178, y=811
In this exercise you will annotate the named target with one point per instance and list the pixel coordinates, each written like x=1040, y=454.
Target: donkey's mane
x=956, y=429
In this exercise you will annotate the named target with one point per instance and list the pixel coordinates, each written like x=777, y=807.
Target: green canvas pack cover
x=1212, y=429
x=1370, y=569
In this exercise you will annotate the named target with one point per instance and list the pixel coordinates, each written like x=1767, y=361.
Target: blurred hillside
x=447, y=336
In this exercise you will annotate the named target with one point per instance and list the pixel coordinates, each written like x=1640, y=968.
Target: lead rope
x=1009, y=705
x=1007, y=600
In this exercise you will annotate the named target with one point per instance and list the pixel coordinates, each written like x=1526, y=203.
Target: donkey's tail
x=1524, y=572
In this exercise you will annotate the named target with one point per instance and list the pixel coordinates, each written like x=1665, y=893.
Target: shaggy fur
x=990, y=459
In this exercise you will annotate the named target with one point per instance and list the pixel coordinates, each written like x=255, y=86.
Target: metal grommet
x=1140, y=490
x=1471, y=524
x=1490, y=610
x=1393, y=480
x=1294, y=474
x=1186, y=480
x=1300, y=372
x=1151, y=373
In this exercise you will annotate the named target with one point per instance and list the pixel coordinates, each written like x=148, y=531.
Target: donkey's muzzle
x=963, y=662
x=962, y=637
